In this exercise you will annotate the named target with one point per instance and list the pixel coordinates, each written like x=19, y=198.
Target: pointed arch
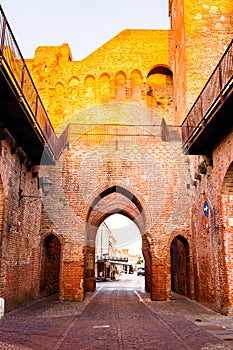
x=180, y=266
x=160, y=88
x=105, y=87
x=2, y=204
x=50, y=266
x=120, y=86
x=136, y=84
x=115, y=199
x=225, y=233
x=89, y=87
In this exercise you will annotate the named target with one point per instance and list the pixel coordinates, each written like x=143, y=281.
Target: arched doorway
x=50, y=268
x=118, y=248
x=225, y=243
x=111, y=201
x=1, y=215
x=180, y=262
x=160, y=94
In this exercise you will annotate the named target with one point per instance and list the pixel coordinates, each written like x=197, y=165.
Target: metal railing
x=122, y=132
x=106, y=131
x=212, y=93
x=17, y=71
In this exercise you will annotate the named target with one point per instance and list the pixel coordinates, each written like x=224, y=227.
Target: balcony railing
x=17, y=71
x=213, y=93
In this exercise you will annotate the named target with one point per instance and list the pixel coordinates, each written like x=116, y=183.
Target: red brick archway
x=115, y=199
x=50, y=267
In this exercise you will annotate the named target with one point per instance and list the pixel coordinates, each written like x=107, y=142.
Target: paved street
x=119, y=315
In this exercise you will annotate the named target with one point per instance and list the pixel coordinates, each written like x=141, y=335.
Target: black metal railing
x=17, y=71
x=112, y=258
x=212, y=93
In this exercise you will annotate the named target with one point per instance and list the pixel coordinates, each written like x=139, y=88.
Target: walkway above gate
x=210, y=118
x=21, y=110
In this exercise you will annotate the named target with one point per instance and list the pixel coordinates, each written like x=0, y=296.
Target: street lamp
x=44, y=184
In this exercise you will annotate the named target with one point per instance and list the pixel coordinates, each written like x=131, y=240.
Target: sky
x=126, y=233
x=84, y=24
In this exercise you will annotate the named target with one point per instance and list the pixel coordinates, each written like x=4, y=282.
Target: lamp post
x=44, y=184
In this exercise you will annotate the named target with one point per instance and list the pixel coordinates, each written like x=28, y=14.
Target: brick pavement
x=112, y=318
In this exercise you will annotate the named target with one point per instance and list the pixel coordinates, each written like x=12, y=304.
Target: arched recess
x=115, y=199
x=120, y=86
x=226, y=242
x=74, y=88
x=89, y=87
x=50, y=266
x=160, y=88
x=180, y=266
x=105, y=88
x=1, y=219
x=136, y=85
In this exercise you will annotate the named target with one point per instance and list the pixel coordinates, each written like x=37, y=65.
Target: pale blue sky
x=84, y=24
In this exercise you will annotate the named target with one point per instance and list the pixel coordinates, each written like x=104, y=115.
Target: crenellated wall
x=116, y=72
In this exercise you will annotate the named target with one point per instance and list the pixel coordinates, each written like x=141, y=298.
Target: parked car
x=140, y=271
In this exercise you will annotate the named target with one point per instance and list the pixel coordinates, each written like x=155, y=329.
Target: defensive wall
x=124, y=105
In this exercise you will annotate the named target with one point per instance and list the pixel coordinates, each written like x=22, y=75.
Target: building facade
x=123, y=107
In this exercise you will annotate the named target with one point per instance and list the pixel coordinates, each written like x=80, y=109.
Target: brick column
x=72, y=284
x=72, y=272
x=159, y=286
x=90, y=281
x=147, y=258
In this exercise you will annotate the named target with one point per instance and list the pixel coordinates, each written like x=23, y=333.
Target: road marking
x=139, y=297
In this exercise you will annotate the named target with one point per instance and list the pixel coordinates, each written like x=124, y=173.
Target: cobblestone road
x=118, y=316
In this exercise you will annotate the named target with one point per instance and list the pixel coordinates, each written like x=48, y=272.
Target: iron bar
x=213, y=90
x=20, y=75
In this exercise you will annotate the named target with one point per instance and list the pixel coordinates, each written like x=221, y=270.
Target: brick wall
x=126, y=81
x=138, y=175
x=202, y=32
x=212, y=236
x=19, y=247
x=124, y=156
x=68, y=87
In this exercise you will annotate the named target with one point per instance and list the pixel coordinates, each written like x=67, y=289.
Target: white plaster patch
x=218, y=26
x=2, y=307
x=198, y=16
x=230, y=221
x=213, y=9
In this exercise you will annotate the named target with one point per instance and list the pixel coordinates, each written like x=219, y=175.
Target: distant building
x=105, y=241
